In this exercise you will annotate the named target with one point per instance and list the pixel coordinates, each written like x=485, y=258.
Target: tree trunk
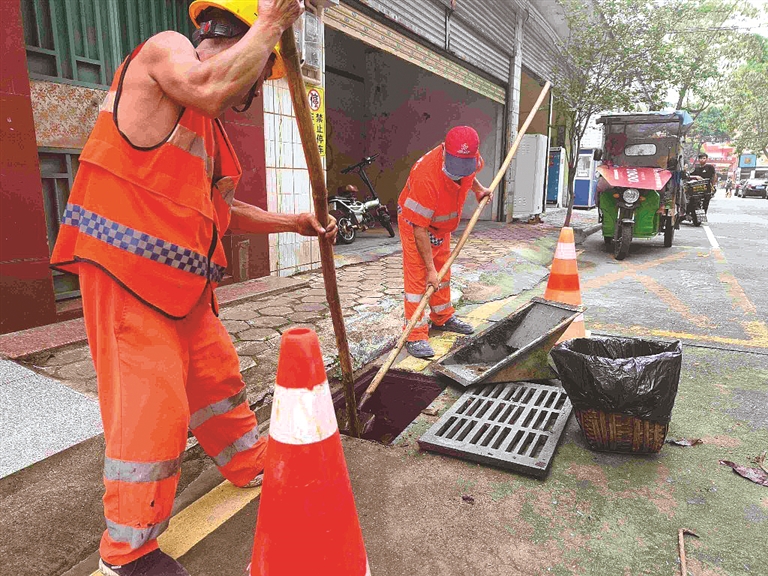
x=571, y=194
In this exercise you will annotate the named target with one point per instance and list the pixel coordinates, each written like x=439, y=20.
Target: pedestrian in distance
x=153, y=196
x=729, y=188
x=429, y=209
x=703, y=171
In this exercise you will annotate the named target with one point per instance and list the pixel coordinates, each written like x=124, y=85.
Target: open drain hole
x=397, y=402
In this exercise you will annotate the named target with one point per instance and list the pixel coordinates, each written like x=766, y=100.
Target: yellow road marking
x=627, y=270
x=202, y=517
x=674, y=303
x=736, y=292
x=759, y=333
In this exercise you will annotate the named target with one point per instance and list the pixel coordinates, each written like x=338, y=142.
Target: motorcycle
x=695, y=192
x=353, y=215
x=639, y=186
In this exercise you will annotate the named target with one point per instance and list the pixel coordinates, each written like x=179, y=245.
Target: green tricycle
x=639, y=185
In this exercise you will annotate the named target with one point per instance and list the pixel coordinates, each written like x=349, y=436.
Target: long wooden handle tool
x=447, y=266
x=320, y=197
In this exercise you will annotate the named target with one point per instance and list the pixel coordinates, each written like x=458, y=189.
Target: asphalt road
x=708, y=288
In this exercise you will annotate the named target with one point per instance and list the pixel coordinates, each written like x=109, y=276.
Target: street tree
x=597, y=69
x=623, y=55
x=747, y=104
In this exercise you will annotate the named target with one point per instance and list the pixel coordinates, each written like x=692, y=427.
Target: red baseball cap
x=461, y=145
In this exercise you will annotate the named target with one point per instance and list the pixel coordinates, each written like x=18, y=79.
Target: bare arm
x=250, y=219
x=424, y=247
x=214, y=85
x=480, y=190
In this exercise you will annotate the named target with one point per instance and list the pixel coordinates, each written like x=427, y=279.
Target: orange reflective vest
x=151, y=217
x=430, y=199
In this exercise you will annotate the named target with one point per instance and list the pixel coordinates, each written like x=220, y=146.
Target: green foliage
x=624, y=55
x=746, y=112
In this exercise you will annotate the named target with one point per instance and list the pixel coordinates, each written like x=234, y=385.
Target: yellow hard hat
x=246, y=11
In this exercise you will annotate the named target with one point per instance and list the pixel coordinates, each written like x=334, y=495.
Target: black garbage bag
x=621, y=375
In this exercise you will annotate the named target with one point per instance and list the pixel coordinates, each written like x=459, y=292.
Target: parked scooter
x=353, y=215
x=695, y=192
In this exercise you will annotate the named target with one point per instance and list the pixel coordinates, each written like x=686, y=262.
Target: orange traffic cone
x=307, y=521
x=563, y=284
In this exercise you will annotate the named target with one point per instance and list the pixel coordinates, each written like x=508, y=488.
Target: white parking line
x=712, y=239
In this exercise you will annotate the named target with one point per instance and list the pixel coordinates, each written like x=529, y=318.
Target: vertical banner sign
x=316, y=97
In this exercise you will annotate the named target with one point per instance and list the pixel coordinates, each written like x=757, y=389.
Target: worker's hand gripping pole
x=459, y=245
x=320, y=197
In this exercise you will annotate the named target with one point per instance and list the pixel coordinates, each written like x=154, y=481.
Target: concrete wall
x=26, y=285
x=407, y=111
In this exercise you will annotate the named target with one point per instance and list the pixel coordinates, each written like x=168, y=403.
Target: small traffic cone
x=563, y=284
x=307, y=521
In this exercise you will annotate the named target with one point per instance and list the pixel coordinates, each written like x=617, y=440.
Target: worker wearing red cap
x=429, y=210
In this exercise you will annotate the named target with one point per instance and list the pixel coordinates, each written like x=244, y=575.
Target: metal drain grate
x=514, y=425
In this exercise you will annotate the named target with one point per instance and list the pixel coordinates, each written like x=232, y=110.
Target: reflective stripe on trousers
x=156, y=378
x=415, y=282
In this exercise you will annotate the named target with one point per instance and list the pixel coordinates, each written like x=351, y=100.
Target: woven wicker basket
x=621, y=433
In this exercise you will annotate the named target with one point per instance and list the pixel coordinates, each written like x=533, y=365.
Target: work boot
x=256, y=482
x=455, y=325
x=419, y=349
x=156, y=563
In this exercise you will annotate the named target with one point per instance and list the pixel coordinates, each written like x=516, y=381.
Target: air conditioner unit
x=529, y=175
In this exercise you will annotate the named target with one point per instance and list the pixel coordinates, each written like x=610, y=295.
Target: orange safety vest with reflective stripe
x=430, y=199
x=151, y=217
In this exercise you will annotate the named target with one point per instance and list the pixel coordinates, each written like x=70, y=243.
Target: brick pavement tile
x=278, y=310
x=311, y=307
x=246, y=363
x=67, y=356
x=315, y=292
x=258, y=334
x=369, y=301
x=250, y=348
x=394, y=291
x=314, y=299
x=235, y=325
x=267, y=322
x=241, y=312
x=349, y=289
x=300, y=317
x=77, y=371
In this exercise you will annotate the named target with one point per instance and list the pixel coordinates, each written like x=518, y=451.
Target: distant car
x=754, y=187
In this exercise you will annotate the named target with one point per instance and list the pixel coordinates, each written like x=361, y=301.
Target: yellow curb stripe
x=202, y=517
x=757, y=329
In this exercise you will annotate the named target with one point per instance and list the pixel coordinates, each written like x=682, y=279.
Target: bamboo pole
x=320, y=197
x=460, y=244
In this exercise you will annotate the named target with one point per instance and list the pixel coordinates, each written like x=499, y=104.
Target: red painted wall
x=246, y=131
x=26, y=284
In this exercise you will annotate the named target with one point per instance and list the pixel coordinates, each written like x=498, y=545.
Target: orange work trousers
x=415, y=280
x=158, y=378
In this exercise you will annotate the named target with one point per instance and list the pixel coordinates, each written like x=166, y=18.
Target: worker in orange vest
x=429, y=209
x=143, y=225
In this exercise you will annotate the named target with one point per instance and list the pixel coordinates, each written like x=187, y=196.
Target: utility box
x=556, y=176
x=585, y=181
x=529, y=176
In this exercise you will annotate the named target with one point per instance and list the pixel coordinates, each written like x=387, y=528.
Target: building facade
x=389, y=78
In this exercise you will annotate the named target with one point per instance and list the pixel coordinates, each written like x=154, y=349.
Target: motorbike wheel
x=387, y=223
x=669, y=232
x=621, y=244
x=695, y=219
x=347, y=232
